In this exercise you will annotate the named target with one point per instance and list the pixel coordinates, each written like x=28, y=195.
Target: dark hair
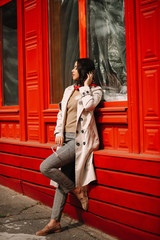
x=84, y=66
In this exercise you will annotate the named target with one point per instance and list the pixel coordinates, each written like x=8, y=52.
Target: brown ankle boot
x=47, y=230
x=81, y=194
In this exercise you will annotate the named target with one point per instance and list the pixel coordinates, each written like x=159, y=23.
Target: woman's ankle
x=76, y=190
x=53, y=222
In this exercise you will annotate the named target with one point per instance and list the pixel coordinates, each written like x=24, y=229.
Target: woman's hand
x=59, y=141
x=89, y=79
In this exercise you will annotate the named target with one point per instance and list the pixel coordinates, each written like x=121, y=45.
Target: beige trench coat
x=86, y=140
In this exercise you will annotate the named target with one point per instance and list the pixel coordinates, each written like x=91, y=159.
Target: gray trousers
x=64, y=158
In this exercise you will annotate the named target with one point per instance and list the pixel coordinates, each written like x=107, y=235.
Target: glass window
x=64, y=44
x=9, y=54
x=107, y=47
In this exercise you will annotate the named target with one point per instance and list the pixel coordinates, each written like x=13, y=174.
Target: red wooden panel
x=107, y=116
x=122, y=138
x=32, y=97
x=34, y=177
x=150, y=37
x=10, y=171
x=139, y=202
x=152, y=139
x=151, y=96
x=31, y=18
x=4, y=132
x=29, y=187
x=20, y=161
x=10, y=114
x=123, y=232
x=9, y=159
x=139, y=166
x=32, y=61
x=12, y=183
x=130, y=182
x=26, y=149
x=32, y=192
x=30, y=163
x=17, y=131
x=108, y=137
x=48, y=191
x=32, y=109
x=114, y=137
x=10, y=130
x=147, y=1
x=50, y=133
x=128, y=217
x=50, y=115
x=33, y=132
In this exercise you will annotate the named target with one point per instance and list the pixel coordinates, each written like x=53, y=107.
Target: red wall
x=126, y=198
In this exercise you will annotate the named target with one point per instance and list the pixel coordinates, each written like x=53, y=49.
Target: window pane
x=64, y=44
x=107, y=47
x=9, y=54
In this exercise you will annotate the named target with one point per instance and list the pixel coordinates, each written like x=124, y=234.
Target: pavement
x=21, y=217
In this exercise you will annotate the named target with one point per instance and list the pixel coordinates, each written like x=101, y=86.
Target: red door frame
x=3, y=2
x=82, y=29
x=51, y=109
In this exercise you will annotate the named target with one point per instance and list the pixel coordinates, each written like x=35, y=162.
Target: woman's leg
x=64, y=156
x=63, y=159
x=57, y=209
x=60, y=198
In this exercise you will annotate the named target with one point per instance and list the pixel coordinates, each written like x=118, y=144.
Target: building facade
x=40, y=41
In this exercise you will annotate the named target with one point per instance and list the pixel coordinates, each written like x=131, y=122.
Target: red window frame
x=15, y=107
x=83, y=46
x=12, y=112
x=83, y=51
x=130, y=107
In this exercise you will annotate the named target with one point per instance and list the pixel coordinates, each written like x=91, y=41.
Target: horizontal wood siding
x=125, y=196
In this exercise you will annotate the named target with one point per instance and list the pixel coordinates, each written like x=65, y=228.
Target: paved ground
x=21, y=217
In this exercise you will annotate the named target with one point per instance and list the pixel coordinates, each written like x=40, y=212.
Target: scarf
x=77, y=87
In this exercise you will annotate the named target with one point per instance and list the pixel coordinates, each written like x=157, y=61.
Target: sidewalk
x=21, y=217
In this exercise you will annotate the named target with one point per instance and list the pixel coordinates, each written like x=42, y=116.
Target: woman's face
x=75, y=74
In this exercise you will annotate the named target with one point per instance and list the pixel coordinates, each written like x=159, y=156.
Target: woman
x=76, y=135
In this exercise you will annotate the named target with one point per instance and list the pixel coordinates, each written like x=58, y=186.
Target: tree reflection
x=106, y=34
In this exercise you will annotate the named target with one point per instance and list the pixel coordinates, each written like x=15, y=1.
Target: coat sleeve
x=58, y=130
x=90, y=97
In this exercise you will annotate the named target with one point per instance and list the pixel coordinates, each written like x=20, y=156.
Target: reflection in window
x=106, y=46
x=9, y=54
x=64, y=44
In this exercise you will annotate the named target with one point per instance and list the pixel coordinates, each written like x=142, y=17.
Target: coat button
x=82, y=131
x=83, y=93
x=84, y=143
x=81, y=119
x=87, y=92
x=76, y=131
x=78, y=144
